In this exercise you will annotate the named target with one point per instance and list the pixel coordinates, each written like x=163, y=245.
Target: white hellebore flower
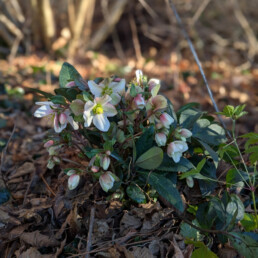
x=114, y=89
x=48, y=108
x=107, y=180
x=175, y=150
x=98, y=111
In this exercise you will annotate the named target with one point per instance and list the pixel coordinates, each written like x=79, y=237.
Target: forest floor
x=43, y=218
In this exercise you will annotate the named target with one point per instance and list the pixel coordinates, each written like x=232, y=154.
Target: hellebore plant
x=129, y=134
x=130, y=139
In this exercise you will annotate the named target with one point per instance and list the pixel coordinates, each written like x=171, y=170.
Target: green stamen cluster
x=107, y=91
x=98, y=109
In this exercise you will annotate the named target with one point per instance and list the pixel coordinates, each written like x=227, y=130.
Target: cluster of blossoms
x=112, y=107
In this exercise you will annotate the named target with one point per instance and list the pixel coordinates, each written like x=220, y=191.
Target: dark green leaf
x=68, y=93
x=145, y=141
x=136, y=193
x=245, y=243
x=188, y=231
x=151, y=159
x=58, y=99
x=169, y=165
x=188, y=118
x=45, y=94
x=4, y=195
x=165, y=188
x=188, y=106
x=67, y=74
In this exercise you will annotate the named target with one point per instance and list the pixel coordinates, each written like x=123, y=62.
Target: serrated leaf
x=165, y=188
x=188, y=106
x=212, y=153
x=188, y=231
x=136, y=193
x=45, y=94
x=151, y=159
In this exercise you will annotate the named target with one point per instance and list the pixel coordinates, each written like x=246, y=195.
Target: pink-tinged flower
x=95, y=169
x=60, y=119
x=160, y=139
x=112, y=88
x=70, y=84
x=156, y=103
x=154, y=86
x=107, y=180
x=73, y=181
x=50, y=164
x=139, y=76
x=166, y=120
x=98, y=111
x=105, y=162
x=139, y=101
x=184, y=133
x=48, y=143
x=77, y=107
x=175, y=150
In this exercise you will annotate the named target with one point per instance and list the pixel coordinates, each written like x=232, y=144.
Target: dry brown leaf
x=34, y=253
x=141, y=252
x=129, y=222
x=5, y=218
x=25, y=169
x=38, y=240
x=177, y=251
x=16, y=232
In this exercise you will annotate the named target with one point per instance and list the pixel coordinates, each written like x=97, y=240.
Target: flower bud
x=50, y=164
x=156, y=103
x=166, y=120
x=105, y=162
x=154, y=86
x=48, y=143
x=139, y=101
x=70, y=172
x=95, y=169
x=175, y=150
x=73, y=181
x=139, y=75
x=56, y=160
x=108, y=152
x=70, y=84
x=107, y=180
x=190, y=181
x=62, y=118
x=161, y=139
x=185, y=133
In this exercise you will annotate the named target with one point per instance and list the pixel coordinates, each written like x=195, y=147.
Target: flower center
x=98, y=109
x=107, y=91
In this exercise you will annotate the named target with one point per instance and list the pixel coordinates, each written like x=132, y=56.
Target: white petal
x=103, y=100
x=95, y=88
x=71, y=121
x=73, y=181
x=139, y=75
x=109, y=110
x=101, y=122
x=115, y=98
x=176, y=156
x=118, y=87
x=43, y=111
x=58, y=127
x=89, y=105
x=87, y=118
x=41, y=103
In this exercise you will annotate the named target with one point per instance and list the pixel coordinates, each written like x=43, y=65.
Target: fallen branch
x=92, y=216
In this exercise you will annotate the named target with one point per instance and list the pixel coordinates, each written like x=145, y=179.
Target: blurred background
x=103, y=37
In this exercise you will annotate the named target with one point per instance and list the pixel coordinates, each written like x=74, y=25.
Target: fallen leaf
x=38, y=240
x=34, y=253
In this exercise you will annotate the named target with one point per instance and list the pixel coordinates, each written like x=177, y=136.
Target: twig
x=199, y=11
x=136, y=43
x=3, y=158
x=151, y=12
x=92, y=215
x=172, y=6
x=71, y=161
x=47, y=185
